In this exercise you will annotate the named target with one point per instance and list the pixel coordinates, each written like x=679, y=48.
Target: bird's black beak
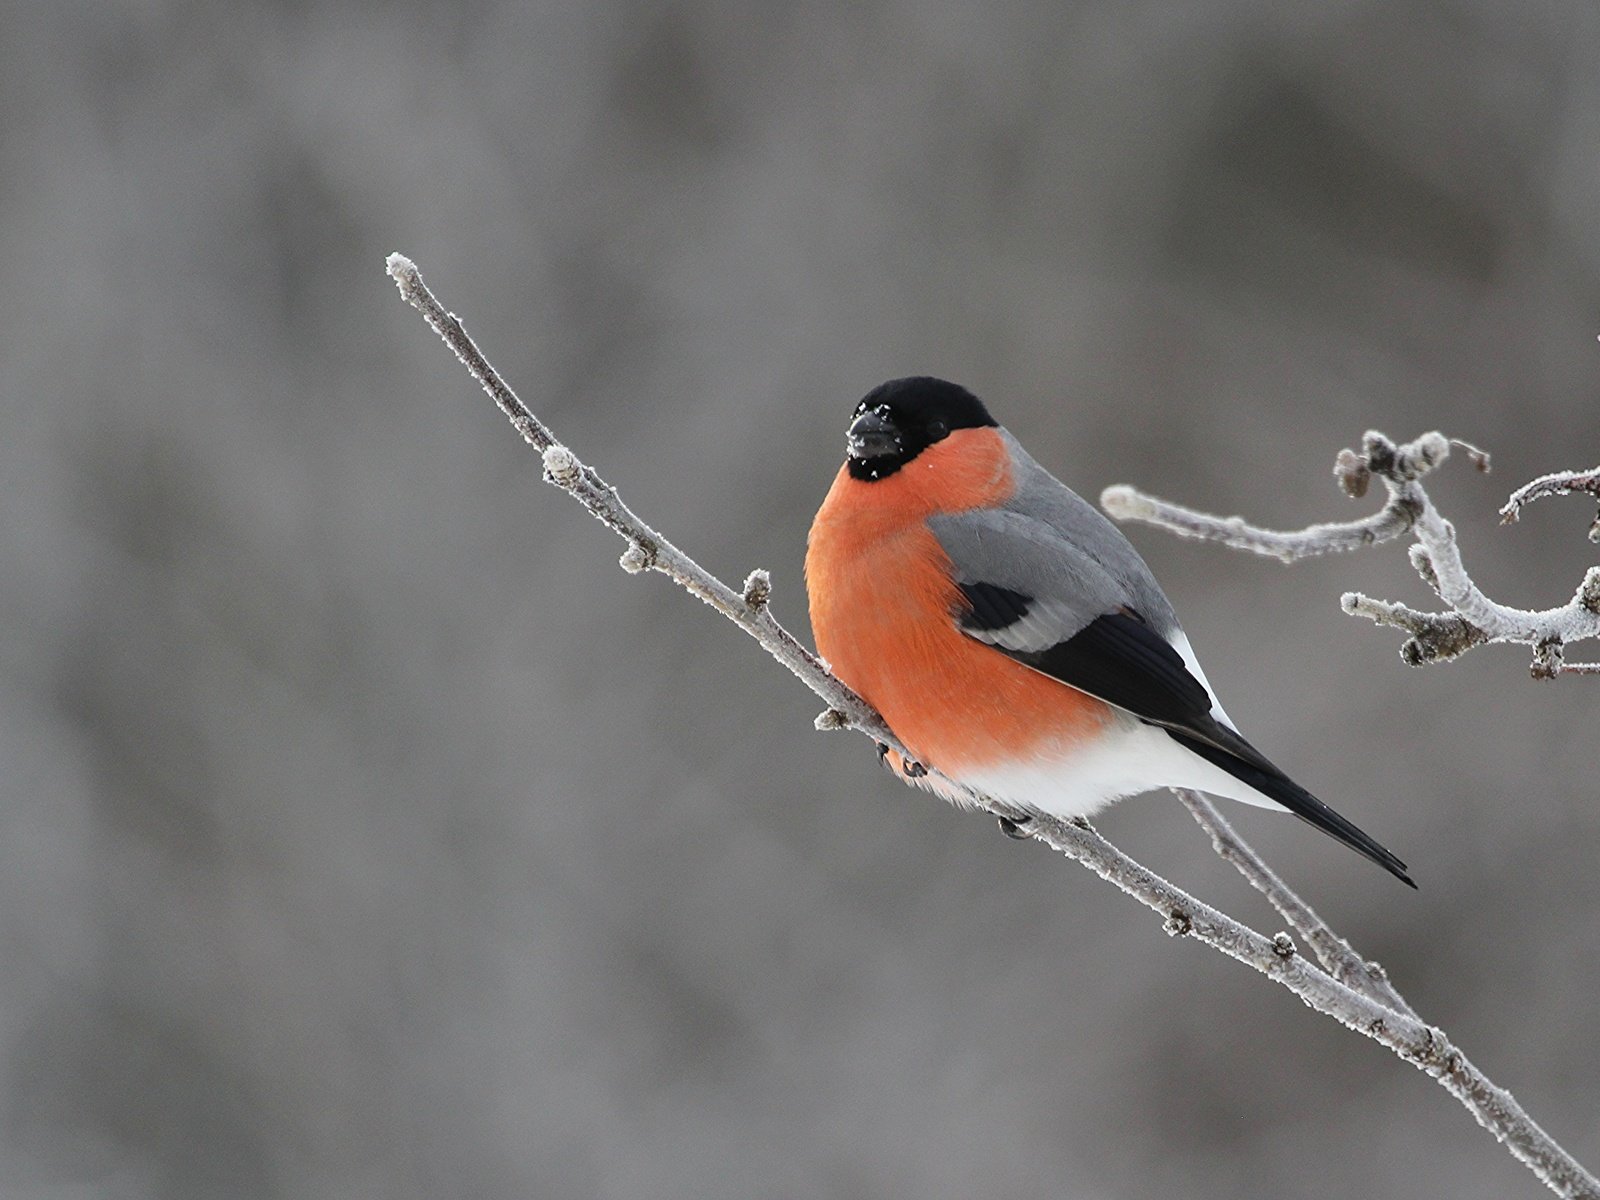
x=872, y=435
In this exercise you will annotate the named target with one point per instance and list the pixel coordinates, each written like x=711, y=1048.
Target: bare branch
x=1435, y=636
x=1338, y=956
x=1412, y=1040
x=1473, y=619
x=1397, y=466
x=647, y=550
x=1423, y=1046
x=1561, y=483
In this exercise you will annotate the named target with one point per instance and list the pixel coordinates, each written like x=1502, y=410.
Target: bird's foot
x=907, y=768
x=1016, y=830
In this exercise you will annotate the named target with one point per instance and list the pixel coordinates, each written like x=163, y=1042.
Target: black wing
x=1121, y=660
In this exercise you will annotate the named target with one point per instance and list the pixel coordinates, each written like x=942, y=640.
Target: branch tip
x=1427, y=452
x=1125, y=503
x=1557, y=483
x=404, y=272
x=1378, y=450
x=1422, y=563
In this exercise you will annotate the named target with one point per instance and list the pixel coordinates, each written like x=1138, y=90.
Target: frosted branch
x=1472, y=619
x=647, y=550
x=1561, y=483
x=1399, y=467
x=1414, y=1041
x=1337, y=956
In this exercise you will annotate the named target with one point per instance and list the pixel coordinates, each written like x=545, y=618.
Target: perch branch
x=1472, y=618
x=1414, y=1041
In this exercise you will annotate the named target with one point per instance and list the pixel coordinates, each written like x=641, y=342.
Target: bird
x=1009, y=635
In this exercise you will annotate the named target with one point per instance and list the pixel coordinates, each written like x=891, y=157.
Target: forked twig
x=1472, y=618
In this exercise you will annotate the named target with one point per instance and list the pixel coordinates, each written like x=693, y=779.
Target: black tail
x=1246, y=764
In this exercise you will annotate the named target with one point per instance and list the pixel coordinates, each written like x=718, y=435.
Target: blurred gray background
x=364, y=832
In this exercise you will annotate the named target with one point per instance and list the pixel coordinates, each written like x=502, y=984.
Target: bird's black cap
x=898, y=420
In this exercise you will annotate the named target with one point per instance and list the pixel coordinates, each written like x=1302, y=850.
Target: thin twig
x=1402, y=466
x=1338, y=956
x=1560, y=483
x=647, y=550
x=1423, y=1046
x=1414, y=1041
x=1473, y=619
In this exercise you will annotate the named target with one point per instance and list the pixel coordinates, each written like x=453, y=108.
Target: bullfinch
x=1012, y=638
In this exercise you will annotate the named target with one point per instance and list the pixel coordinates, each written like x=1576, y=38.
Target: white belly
x=1130, y=758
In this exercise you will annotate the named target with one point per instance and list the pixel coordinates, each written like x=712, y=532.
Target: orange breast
x=882, y=607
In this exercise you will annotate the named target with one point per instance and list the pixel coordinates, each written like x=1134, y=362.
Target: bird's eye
x=937, y=428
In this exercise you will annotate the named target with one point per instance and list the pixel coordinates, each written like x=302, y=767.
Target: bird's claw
x=899, y=764
x=1016, y=830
